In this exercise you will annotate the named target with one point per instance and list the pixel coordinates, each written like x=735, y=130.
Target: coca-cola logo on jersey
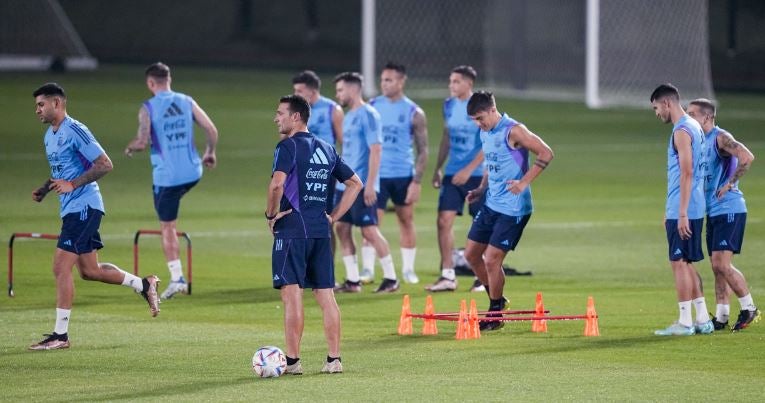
x=317, y=174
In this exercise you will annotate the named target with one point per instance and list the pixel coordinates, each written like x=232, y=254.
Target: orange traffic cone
x=539, y=326
x=405, y=323
x=474, y=331
x=591, y=323
x=462, y=322
x=429, y=325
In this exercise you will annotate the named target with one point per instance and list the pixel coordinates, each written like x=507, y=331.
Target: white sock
x=176, y=269
x=387, y=265
x=747, y=302
x=133, y=281
x=702, y=315
x=351, y=268
x=448, y=273
x=62, y=321
x=407, y=259
x=722, y=313
x=368, y=258
x=685, y=313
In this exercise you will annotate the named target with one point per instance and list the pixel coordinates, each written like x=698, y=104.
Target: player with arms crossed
x=168, y=120
x=362, y=138
x=403, y=123
x=303, y=168
x=498, y=226
x=76, y=161
x=727, y=161
x=684, y=212
x=461, y=142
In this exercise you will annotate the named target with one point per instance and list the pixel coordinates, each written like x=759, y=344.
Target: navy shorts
x=393, y=189
x=452, y=197
x=688, y=250
x=305, y=262
x=79, y=232
x=359, y=214
x=496, y=229
x=725, y=232
x=167, y=200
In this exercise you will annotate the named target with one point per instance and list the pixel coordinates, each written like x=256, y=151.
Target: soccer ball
x=269, y=362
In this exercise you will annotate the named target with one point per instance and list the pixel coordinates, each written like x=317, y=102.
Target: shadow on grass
x=160, y=391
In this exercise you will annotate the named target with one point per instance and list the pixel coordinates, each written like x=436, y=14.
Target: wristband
x=269, y=218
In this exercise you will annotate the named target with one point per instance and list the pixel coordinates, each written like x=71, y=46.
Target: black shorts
x=394, y=189
x=725, y=232
x=452, y=197
x=167, y=200
x=688, y=250
x=79, y=232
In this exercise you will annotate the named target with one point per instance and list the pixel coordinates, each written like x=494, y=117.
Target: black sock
x=145, y=283
x=330, y=359
x=496, y=304
x=292, y=361
x=62, y=337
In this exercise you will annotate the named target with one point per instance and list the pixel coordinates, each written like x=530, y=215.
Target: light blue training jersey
x=504, y=163
x=397, y=151
x=361, y=129
x=71, y=151
x=464, y=137
x=719, y=171
x=696, y=204
x=320, y=121
x=174, y=156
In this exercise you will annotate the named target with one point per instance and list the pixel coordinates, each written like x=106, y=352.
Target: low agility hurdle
x=468, y=321
x=158, y=232
x=32, y=235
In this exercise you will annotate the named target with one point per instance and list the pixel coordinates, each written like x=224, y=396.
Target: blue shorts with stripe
x=359, y=214
x=394, y=189
x=496, y=229
x=452, y=197
x=167, y=200
x=688, y=250
x=725, y=232
x=305, y=262
x=79, y=232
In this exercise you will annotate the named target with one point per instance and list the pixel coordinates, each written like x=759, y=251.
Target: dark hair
x=665, y=90
x=350, y=77
x=50, y=90
x=706, y=105
x=395, y=67
x=158, y=71
x=297, y=104
x=466, y=71
x=480, y=101
x=309, y=78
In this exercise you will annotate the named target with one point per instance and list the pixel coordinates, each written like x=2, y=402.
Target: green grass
x=596, y=231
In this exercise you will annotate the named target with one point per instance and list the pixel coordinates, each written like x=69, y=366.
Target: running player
x=727, y=161
x=461, y=141
x=76, y=161
x=498, y=226
x=168, y=120
x=362, y=138
x=684, y=212
x=403, y=124
x=303, y=169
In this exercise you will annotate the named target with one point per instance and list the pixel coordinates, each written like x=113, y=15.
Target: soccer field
x=597, y=230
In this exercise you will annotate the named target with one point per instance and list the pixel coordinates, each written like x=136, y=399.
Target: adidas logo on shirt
x=319, y=158
x=173, y=110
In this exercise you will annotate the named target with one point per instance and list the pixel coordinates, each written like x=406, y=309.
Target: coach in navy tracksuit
x=303, y=168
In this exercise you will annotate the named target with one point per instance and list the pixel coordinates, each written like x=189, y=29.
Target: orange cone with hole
x=405, y=323
x=591, y=322
x=539, y=326
x=429, y=325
